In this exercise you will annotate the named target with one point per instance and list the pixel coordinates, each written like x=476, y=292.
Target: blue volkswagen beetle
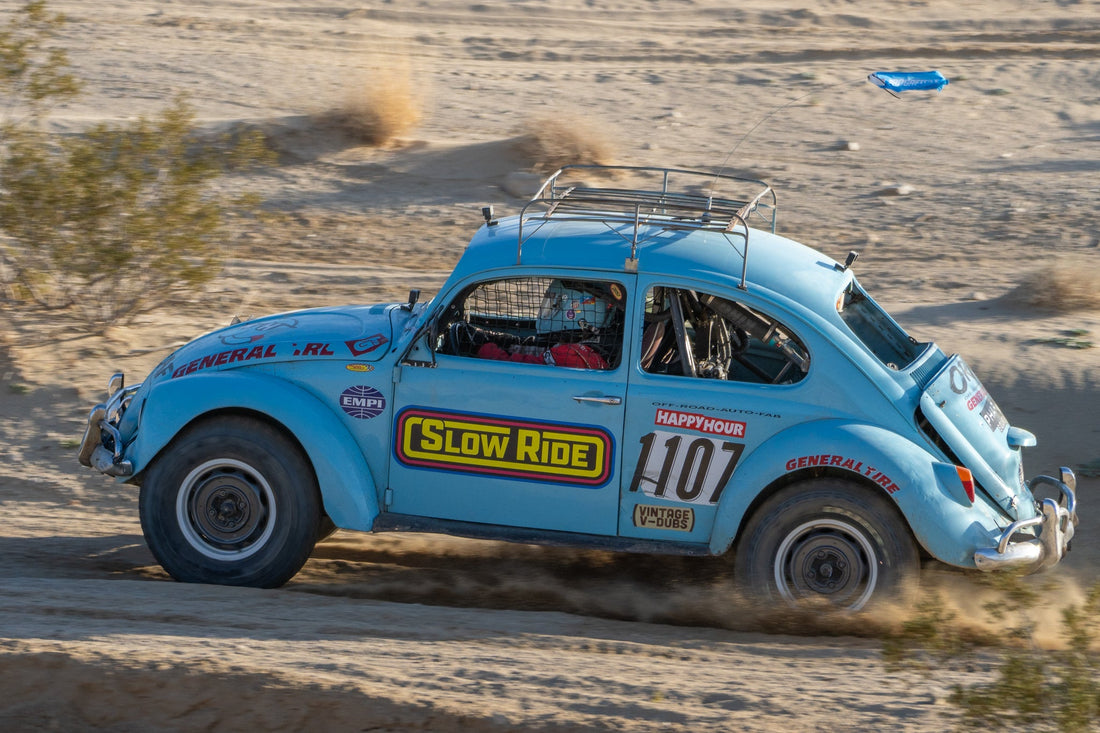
x=635, y=362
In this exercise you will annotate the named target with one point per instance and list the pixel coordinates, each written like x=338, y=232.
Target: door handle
x=599, y=400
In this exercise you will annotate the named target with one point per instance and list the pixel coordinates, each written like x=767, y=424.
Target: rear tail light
x=967, y=479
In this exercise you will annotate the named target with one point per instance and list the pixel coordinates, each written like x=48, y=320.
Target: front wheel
x=231, y=501
x=827, y=540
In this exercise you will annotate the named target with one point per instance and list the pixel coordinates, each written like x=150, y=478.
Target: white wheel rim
x=806, y=564
x=225, y=509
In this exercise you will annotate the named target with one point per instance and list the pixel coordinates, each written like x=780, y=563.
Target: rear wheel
x=231, y=501
x=827, y=540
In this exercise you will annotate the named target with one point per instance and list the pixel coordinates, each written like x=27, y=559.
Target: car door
x=711, y=380
x=519, y=421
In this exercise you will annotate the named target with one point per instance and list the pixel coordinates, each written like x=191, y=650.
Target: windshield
x=878, y=331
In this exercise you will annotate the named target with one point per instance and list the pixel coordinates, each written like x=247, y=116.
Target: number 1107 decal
x=684, y=468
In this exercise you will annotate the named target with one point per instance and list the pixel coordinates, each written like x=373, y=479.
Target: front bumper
x=102, y=445
x=1056, y=523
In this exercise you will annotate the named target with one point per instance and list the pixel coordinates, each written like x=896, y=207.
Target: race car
x=636, y=361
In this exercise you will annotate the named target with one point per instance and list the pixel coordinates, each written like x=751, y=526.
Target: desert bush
x=32, y=73
x=1062, y=287
x=114, y=221
x=383, y=110
x=548, y=143
x=1030, y=688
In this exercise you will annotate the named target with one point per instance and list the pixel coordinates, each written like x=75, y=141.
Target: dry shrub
x=1063, y=287
x=548, y=143
x=384, y=109
x=118, y=220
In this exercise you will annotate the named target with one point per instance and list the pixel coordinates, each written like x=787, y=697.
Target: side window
x=694, y=334
x=537, y=320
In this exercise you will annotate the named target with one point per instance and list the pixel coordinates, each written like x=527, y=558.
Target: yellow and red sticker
x=503, y=446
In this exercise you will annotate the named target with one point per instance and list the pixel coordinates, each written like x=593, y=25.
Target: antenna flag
x=907, y=81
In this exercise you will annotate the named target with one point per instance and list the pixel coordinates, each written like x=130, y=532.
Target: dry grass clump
x=1063, y=287
x=548, y=143
x=384, y=109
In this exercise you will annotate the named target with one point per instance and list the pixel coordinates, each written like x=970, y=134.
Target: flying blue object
x=906, y=81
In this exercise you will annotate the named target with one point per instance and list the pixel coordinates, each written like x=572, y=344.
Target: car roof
x=669, y=222
x=775, y=263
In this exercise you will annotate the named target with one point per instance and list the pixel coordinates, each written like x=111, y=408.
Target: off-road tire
x=231, y=501
x=326, y=528
x=827, y=540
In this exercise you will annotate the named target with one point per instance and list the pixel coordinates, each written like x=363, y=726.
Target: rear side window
x=878, y=332
x=695, y=334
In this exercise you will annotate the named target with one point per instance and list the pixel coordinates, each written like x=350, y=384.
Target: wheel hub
x=823, y=565
x=228, y=510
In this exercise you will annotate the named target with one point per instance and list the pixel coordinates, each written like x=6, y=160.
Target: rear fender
x=347, y=488
x=928, y=493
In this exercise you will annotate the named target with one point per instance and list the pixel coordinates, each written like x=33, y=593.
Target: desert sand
x=957, y=201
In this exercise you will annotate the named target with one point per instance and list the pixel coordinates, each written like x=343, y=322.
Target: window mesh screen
x=574, y=323
x=508, y=299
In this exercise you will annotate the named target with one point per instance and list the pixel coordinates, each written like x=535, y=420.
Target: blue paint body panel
x=343, y=473
x=395, y=426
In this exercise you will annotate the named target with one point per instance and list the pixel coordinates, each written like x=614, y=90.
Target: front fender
x=929, y=493
x=347, y=488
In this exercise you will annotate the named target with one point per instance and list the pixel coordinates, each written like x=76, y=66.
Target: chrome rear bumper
x=101, y=446
x=1056, y=523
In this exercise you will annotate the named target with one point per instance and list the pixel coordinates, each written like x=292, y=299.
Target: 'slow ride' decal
x=503, y=446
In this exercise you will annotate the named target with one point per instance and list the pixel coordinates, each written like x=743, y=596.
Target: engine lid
x=968, y=419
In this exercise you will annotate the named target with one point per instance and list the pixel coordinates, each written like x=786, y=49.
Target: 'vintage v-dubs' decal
x=503, y=446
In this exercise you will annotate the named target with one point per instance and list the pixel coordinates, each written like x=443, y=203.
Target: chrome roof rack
x=669, y=199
